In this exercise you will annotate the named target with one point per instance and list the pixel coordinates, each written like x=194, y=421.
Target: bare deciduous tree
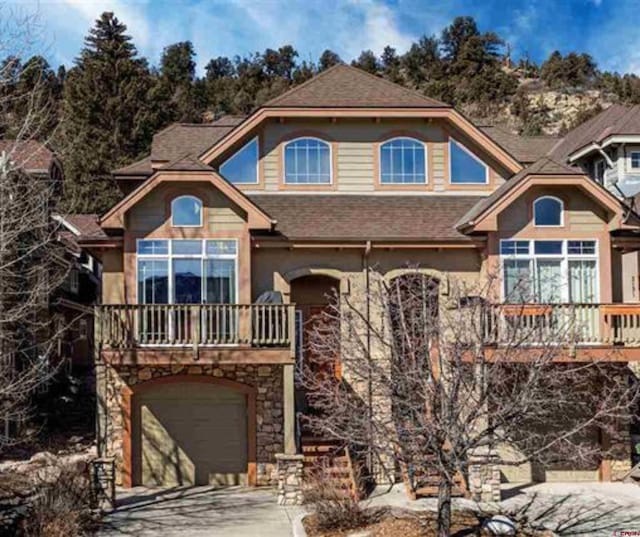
x=436, y=379
x=32, y=259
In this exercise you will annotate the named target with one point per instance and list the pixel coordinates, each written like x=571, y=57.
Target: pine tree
x=107, y=118
x=176, y=83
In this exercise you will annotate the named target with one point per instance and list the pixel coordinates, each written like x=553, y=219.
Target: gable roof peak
x=345, y=86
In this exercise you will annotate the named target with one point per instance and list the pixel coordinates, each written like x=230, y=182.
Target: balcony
x=170, y=333
x=597, y=328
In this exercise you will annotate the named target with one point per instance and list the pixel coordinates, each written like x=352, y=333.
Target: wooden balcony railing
x=121, y=326
x=575, y=324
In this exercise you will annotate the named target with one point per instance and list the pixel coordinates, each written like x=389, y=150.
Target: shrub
x=334, y=505
x=61, y=508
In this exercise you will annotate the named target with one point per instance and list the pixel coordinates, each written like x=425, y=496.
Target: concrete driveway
x=198, y=511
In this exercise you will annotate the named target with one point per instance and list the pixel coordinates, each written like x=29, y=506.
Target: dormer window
x=547, y=212
x=186, y=211
x=307, y=161
x=466, y=168
x=403, y=161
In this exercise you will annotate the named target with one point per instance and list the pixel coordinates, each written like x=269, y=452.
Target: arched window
x=547, y=211
x=186, y=211
x=307, y=161
x=402, y=161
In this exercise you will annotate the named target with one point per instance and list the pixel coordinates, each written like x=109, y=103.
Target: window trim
x=533, y=212
x=452, y=140
x=565, y=257
x=203, y=256
x=173, y=224
x=284, y=162
x=426, y=162
x=257, y=181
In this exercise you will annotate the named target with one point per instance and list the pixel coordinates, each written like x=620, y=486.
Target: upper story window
x=550, y=271
x=186, y=211
x=403, y=161
x=242, y=166
x=307, y=161
x=466, y=168
x=599, y=169
x=634, y=160
x=547, y=212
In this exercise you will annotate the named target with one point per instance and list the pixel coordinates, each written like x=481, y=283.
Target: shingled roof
x=525, y=149
x=181, y=138
x=343, y=86
x=363, y=217
x=29, y=155
x=615, y=120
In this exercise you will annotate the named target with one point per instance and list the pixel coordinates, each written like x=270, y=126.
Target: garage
x=190, y=433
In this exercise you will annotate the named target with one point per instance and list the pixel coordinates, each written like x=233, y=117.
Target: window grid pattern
x=307, y=161
x=402, y=161
x=187, y=271
x=550, y=271
x=635, y=160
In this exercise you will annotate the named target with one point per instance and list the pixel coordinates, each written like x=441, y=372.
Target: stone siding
x=267, y=379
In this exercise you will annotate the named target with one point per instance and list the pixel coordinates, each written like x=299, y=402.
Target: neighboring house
x=72, y=286
x=75, y=298
x=223, y=221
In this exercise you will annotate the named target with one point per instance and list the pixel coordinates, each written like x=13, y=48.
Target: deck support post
x=289, y=409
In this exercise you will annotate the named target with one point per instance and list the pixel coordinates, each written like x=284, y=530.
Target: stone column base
x=290, y=476
x=484, y=480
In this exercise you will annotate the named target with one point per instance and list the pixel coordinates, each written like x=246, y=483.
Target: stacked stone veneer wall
x=267, y=379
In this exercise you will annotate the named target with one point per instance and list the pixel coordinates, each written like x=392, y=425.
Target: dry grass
x=61, y=508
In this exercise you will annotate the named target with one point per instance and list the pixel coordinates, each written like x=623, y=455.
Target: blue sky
x=607, y=29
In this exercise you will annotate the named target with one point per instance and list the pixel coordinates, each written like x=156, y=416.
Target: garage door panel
x=192, y=434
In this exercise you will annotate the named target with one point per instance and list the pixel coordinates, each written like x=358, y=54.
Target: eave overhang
x=256, y=217
x=237, y=135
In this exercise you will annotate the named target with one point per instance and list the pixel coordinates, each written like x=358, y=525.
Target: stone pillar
x=484, y=479
x=290, y=477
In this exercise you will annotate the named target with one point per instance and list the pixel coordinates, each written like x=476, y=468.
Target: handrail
x=571, y=323
x=256, y=325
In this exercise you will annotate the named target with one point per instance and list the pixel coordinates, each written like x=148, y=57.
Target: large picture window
x=307, y=161
x=403, y=161
x=550, y=271
x=466, y=168
x=187, y=271
x=242, y=166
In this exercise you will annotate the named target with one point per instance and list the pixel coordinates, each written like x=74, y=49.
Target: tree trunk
x=444, y=508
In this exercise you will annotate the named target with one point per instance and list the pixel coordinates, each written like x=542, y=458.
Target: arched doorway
x=315, y=297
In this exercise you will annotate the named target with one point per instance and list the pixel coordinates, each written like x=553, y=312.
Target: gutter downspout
x=365, y=266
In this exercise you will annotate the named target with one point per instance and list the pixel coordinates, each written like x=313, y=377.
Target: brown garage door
x=190, y=434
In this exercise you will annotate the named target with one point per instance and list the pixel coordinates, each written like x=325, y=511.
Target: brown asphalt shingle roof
x=365, y=217
x=29, y=155
x=182, y=138
x=87, y=224
x=187, y=163
x=525, y=149
x=139, y=167
x=349, y=87
x=617, y=119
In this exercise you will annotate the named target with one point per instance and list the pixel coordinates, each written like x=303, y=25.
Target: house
x=232, y=234
x=55, y=309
